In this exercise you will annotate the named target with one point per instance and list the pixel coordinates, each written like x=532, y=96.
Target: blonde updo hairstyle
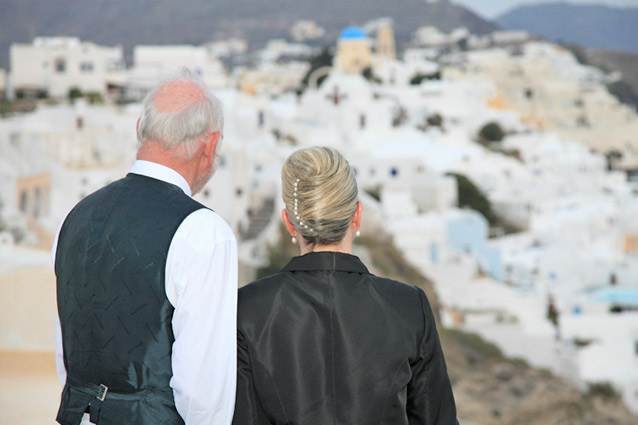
x=320, y=192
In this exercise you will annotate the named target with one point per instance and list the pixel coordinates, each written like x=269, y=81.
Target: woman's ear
x=356, y=217
x=289, y=226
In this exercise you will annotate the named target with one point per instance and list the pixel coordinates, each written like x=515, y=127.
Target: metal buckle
x=101, y=393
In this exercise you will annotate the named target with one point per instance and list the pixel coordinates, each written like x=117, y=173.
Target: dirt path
x=29, y=388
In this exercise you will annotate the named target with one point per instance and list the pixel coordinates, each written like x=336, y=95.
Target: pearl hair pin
x=295, y=207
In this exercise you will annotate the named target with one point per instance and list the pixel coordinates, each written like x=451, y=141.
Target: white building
x=306, y=29
x=56, y=155
x=272, y=78
x=430, y=36
x=227, y=47
x=509, y=37
x=3, y=83
x=55, y=65
x=152, y=63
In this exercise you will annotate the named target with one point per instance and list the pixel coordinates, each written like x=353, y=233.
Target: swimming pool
x=623, y=295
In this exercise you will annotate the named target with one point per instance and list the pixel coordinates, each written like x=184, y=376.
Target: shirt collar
x=328, y=261
x=161, y=172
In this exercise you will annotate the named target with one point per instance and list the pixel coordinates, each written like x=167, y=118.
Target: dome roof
x=352, y=33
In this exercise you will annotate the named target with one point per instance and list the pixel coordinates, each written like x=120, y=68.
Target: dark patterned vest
x=115, y=316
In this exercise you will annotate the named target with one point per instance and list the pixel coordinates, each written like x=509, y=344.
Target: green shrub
x=74, y=93
x=491, y=132
x=603, y=390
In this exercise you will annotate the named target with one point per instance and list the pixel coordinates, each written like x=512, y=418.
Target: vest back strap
x=101, y=392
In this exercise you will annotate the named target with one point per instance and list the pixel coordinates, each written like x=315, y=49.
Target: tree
x=435, y=120
x=324, y=58
x=471, y=196
x=419, y=77
x=613, y=156
x=278, y=253
x=74, y=93
x=491, y=132
x=94, y=97
x=369, y=75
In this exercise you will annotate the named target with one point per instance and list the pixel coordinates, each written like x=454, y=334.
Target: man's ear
x=210, y=144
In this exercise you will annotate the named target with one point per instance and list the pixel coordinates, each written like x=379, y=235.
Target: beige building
x=631, y=244
x=354, y=53
x=33, y=193
x=55, y=65
x=385, y=42
x=551, y=91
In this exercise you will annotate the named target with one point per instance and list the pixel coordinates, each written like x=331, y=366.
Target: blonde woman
x=323, y=341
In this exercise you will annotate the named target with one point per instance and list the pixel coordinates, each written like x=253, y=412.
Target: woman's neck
x=344, y=246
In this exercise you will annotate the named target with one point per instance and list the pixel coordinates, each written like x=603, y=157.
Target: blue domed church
x=354, y=53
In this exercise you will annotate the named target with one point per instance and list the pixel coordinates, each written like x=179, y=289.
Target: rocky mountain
x=590, y=26
x=130, y=22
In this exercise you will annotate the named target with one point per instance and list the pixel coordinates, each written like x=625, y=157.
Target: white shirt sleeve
x=201, y=283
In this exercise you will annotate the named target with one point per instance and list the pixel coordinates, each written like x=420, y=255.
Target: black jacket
x=323, y=341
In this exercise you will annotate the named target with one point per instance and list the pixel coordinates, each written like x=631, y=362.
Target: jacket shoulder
x=395, y=286
x=260, y=288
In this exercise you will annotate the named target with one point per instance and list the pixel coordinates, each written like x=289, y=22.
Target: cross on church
x=336, y=97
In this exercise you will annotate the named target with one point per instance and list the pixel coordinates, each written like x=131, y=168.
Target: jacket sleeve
x=248, y=409
x=430, y=399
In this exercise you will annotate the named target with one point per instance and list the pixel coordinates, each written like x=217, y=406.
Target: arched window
x=37, y=203
x=60, y=65
x=24, y=201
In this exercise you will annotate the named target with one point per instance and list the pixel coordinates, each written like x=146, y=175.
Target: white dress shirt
x=201, y=283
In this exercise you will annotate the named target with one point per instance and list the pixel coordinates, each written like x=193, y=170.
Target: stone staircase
x=259, y=219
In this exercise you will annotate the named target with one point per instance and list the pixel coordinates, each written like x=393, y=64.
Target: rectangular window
x=86, y=66
x=60, y=65
x=434, y=253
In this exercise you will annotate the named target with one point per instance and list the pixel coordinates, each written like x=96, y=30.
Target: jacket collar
x=326, y=260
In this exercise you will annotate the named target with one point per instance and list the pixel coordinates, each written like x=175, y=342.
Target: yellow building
x=354, y=53
x=631, y=244
x=385, y=42
x=34, y=195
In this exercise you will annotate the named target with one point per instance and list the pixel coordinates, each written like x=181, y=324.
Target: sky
x=494, y=8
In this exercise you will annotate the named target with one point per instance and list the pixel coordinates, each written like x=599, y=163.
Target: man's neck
x=171, y=158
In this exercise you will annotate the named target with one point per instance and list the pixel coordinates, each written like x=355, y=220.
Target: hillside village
x=550, y=276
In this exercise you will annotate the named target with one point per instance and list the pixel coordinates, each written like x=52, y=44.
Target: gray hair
x=184, y=127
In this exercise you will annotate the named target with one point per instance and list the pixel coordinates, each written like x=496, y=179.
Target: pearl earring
x=358, y=233
x=293, y=240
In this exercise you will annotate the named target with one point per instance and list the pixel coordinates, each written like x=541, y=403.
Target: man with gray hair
x=147, y=279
